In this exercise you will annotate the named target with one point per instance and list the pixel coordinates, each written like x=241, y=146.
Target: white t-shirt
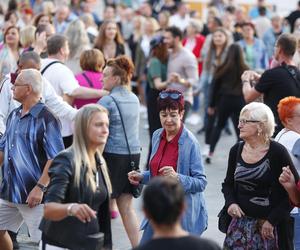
x=291, y=141
x=64, y=82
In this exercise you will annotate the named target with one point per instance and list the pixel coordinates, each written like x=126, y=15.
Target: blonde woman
x=27, y=37
x=78, y=41
x=77, y=201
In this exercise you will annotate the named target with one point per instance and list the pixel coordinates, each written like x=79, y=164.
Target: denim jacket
x=191, y=175
x=129, y=106
x=261, y=56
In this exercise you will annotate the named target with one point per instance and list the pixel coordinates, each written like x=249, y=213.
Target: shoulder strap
x=294, y=73
x=88, y=80
x=131, y=162
x=44, y=69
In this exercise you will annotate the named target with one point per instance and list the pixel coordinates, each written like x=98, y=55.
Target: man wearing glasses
x=32, y=139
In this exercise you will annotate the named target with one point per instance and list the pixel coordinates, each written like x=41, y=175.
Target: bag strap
x=44, y=69
x=88, y=80
x=131, y=162
x=293, y=73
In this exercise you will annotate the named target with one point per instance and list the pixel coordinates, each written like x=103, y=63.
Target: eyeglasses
x=245, y=121
x=174, y=96
x=19, y=85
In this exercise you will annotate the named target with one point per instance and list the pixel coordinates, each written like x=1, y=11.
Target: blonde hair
x=80, y=146
x=27, y=36
x=261, y=112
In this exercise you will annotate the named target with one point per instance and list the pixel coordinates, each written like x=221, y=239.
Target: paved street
x=214, y=199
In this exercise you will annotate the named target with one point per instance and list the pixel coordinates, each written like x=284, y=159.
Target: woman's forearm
x=55, y=211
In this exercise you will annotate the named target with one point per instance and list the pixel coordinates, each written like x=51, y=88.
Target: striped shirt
x=28, y=143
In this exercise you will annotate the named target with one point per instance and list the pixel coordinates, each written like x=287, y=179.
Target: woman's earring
x=259, y=132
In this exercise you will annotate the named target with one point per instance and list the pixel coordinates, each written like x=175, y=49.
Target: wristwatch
x=42, y=187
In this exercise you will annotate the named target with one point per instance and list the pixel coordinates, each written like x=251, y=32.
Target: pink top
x=96, y=81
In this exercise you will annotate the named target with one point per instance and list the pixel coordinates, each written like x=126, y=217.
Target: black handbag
x=136, y=190
x=224, y=218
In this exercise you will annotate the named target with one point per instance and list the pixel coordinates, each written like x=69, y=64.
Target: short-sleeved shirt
x=28, y=143
x=64, y=82
x=156, y=69
x=89, y=79
x=275, y=84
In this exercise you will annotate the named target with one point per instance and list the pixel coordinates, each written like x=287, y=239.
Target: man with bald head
x=31, y=60
x=32, y=139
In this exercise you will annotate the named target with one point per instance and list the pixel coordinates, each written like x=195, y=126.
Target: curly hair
x=123, y=67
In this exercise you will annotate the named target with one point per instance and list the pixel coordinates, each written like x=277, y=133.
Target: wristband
x=69, y=209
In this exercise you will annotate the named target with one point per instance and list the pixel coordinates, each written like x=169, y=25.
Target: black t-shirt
x=276, y=84
x=182, y=243
x=292, y=18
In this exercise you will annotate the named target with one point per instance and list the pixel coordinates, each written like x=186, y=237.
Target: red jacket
x=197, y=49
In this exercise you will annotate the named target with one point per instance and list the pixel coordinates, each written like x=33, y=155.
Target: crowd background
x=97, y=31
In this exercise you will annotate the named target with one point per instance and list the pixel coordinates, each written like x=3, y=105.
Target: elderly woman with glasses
x=176, y=154
x=258, y=204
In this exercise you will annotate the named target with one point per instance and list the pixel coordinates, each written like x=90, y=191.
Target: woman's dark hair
x=101, y=39
x=163, y=200
x=8, y=14
x=169, y=103
x=161, y=52
x=234, y=63
x=38, y=18
x=123, y=67
x=8, y=29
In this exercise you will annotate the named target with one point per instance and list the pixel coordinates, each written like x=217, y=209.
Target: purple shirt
x=95, y=83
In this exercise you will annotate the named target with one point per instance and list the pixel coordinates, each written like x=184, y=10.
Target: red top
x=166, y=154
x=199, y=39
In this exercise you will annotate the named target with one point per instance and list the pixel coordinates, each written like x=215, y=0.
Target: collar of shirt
x=34, y=111
x=175, y=139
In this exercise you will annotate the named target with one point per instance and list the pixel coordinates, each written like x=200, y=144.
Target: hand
x=41, y=42
x=83, y=212
x=135, y=177
x=211, y=110
x=250, y=76
x=287, y=179
x=175, y=77
x=168, y=171
x=267, y=230
x=35, y=197
x=234, y=210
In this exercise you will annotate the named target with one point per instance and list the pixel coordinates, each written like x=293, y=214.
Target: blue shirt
x=28, y=143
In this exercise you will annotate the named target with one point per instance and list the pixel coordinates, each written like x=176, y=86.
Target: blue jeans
x=297, y=230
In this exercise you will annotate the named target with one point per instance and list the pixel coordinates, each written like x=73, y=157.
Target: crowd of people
x=73, y=83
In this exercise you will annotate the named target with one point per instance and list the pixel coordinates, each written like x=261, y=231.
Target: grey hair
x=32, y=77
x=30, y=55
x=261, y=112
x=77, y=37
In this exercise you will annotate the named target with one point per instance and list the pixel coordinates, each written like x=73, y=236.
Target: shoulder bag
x=224, y=218
x=136, y=190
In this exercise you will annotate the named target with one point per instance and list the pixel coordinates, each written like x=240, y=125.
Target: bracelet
x=69, y=209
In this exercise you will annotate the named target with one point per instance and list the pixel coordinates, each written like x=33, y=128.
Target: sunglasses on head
x=174, y=96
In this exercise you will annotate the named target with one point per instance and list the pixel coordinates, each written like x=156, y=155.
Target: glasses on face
x=19, y=85
x=245, y=121
x=174, y=96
